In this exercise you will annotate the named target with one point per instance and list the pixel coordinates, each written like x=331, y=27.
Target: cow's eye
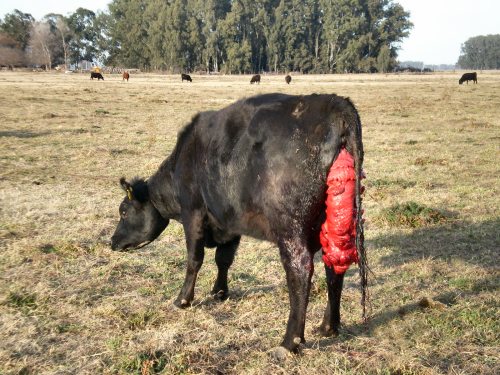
x=124, y=214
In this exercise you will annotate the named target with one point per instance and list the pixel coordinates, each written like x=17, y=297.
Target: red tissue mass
x=338, y=232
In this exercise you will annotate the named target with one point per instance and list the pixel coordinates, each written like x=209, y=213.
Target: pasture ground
x=69, y=305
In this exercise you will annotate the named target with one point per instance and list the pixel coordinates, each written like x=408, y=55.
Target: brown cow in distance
x=186, y=77
x=125, y=76
x=288, y=79
x=255, y=78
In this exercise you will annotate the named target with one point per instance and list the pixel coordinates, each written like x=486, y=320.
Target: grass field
x=69, y=305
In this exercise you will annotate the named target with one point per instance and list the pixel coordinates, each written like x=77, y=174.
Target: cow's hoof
x=220, y=295
x=182, y=303
x=280, y=354
x=327, y=331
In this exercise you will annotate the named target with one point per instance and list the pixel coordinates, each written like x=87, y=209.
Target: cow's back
x=260, y=164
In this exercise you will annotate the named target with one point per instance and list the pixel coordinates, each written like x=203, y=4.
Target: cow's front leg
x=331, y=320
x=298, y=263
x=193, y=230
x=224, y=256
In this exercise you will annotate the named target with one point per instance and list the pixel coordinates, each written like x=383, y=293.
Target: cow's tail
x=354, y=144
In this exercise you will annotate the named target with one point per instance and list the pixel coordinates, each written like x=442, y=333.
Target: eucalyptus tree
x=84, y=35
x=235, y=30
x=18, y=25
x=480, y=52
x=59, y=27
x=129, y=33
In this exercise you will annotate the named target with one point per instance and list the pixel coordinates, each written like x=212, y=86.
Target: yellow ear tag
x=129, y=193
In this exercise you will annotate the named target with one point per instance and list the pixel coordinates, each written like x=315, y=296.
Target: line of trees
x=231, y=36
x=481, y=52
x=54, y=40
x=245, y=36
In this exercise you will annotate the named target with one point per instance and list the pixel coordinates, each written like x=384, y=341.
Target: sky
x=440, y=26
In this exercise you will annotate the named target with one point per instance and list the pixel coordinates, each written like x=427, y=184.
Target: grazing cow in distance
x=255, y=78
x=125, y=76
x=466, y=77
x=96, y=75
x=287, y=144
x=288, y=79
x=186, y=77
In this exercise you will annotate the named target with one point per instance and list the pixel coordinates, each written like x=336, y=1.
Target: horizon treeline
x=229, y=36
x=249, y=36
x=481, y=52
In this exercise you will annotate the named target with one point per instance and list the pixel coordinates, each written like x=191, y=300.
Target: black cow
x=466, y=77
x=288, y=79
x=255, y=78
x=186, y=77
x=257, y=167
x=96, y=75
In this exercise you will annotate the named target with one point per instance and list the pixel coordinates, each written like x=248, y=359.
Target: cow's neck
x=162, y=192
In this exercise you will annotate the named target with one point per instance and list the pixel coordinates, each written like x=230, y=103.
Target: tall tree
x=157, y=15
x=235, y=30
x=41, y=44
x=18, y=25
x=254, y=35
x=104, y=44
x=213, y=12
x=481, y=52
x=59, y=27
x=129, y=32
x=196, y=41
x=83, y=43
x=11, y=53
x=177, y=56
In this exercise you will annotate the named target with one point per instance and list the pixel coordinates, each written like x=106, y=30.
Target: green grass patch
x=22, y=300
x=387, y=182
x=47, y=248
x=102, y=112
x=68, y=328
x=425, y=160
x=141, y=319
x=411, y=214
x=146, y=363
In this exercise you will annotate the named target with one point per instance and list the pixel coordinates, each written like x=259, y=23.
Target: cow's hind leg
x=193, y=230
x=331, y=320
x=298, y=263
x=224, y=256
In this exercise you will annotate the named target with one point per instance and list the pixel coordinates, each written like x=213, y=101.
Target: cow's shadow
x=351, y=331
x=475, y=243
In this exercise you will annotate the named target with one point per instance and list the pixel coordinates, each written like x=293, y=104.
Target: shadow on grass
x=448, y=298
x=23, y=134
x=475, y=243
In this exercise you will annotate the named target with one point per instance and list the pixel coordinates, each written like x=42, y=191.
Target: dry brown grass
x=70, y=305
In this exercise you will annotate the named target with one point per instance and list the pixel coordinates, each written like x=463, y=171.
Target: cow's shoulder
x=187, y=136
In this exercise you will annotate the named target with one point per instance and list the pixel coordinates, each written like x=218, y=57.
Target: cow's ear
x=127, y=187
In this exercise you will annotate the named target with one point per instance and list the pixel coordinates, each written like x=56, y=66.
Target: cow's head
x=140, y=222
